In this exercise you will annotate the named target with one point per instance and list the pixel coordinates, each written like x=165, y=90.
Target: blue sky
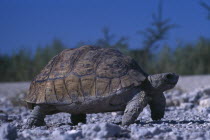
x=30, y=23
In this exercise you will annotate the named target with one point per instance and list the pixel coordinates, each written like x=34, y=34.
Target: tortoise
x=91, y=79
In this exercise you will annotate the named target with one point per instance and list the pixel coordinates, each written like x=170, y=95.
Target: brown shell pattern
x=77, y=74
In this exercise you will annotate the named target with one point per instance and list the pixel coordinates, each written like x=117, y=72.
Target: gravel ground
x=187, y=117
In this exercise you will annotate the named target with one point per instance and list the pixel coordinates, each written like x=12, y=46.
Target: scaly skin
x=134, y=108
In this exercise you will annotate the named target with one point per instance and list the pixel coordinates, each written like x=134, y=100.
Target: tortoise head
x=163, y=81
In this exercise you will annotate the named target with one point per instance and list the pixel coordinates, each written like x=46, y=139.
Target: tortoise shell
x=86, y=72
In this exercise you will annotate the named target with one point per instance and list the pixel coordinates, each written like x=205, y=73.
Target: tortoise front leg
x=157, y=106
x=36, y=117
x=76, y=118
x=134, y=107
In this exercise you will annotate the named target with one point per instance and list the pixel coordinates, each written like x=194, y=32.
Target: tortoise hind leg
x=36, y=117
x=76, y=118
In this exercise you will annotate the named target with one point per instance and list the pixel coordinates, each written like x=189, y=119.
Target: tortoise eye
x=169, y=76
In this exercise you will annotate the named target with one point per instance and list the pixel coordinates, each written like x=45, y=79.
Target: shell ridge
x=52, y=64
x=108, y=87
x=81, y=89
x=74, y=60
x=105, y=89
x=110, y=81
x=66, y=88
x=99, y=60
x=55, y=91
x=81, y=54
x=32, y=97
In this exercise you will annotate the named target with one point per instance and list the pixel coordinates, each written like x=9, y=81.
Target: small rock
x=3, y=117
x=204, y=110
x=205, y=103
x=24, y=114
x=65, y=127
x=197, y=135
x=138, y=132
x=114, y=113
x=172, y=102
x=101, y=130
x=8, y=132
x=73, y=134
x=206, y=90
x=56, y=134
x=69, y=135
x=186, y=105
x=26, y=133
x=14, y=117
x=194, y=96
x=185, y=97
x=158, y=130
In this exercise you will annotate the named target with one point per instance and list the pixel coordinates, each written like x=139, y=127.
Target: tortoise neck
x=148, y=88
